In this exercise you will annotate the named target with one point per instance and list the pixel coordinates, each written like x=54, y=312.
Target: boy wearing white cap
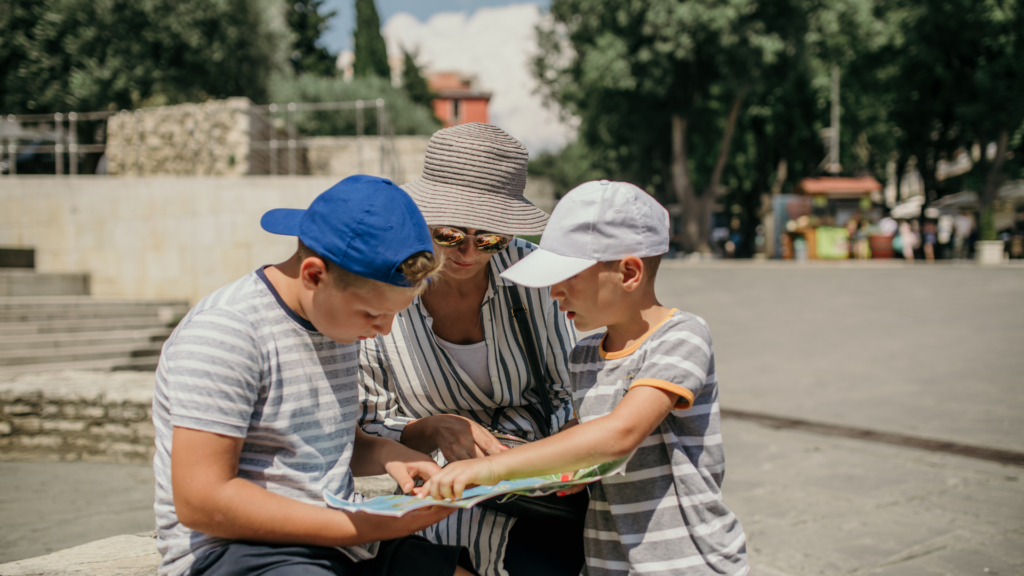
x=665, y=513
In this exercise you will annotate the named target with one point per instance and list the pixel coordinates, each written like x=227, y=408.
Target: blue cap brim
x=284, y=221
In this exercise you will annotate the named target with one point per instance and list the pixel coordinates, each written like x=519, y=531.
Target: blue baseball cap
x=363, y=224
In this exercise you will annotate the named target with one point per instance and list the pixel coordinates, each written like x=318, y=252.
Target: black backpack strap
x=533, y=361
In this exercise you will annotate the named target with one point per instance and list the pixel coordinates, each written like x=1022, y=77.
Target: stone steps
x=142, y=363
x=42, y=333
x=82, y=352
x=27, y=282
x=79, y=325
x=59, y=341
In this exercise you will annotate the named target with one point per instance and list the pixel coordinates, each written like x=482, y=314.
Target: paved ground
x=933, y=351
x=930, y=351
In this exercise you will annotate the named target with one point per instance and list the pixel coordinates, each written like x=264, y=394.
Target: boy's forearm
x=210, y=497
x=601, y=440
x=243, y=511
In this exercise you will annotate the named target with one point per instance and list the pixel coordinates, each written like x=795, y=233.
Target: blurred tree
x=960, y=84
x=659, y=86
x=568, y=167
x=62, y=55
x=309, y=24
x=370, y=51
x=406, y=116
x=413, y=82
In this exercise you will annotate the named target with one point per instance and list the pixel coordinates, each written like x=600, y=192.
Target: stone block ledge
x=125, y=555
x=77, y=415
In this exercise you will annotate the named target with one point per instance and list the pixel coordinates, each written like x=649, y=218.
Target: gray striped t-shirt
x=665, y=515
x=243, y=364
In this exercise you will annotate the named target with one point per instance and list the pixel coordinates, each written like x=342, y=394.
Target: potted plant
x=989, y=248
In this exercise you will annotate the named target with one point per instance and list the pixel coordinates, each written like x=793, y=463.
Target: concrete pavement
x=932, y=351
x=927, y=351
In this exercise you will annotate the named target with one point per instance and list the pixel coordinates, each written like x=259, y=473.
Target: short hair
x=417, y=269
x=651, y=265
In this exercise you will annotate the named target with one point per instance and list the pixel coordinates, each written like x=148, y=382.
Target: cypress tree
x=413, y=82
x=370, y=52
x=308, y=24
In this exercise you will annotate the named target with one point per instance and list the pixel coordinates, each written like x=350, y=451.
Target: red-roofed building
x=457, y=102
x=837, y=187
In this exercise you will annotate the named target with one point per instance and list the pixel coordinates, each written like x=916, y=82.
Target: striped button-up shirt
x=407, y=375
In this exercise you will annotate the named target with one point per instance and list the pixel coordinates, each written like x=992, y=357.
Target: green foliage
x=961, y=78
x=413, y=82
x=406, y=116
x=63, y=55
x=568, y=168
x=987, y=231
x=919, y=79
x=370, y=51
x=308, y=24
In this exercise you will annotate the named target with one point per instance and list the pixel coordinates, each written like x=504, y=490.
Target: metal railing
x=272, y=130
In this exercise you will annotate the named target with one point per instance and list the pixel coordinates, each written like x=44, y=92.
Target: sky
x=339, y=36
x=492, y=40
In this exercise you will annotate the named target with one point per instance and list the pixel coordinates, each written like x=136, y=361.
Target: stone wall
x=159, y=237
x=77, y=416
x=212, y=138
x=232, y=138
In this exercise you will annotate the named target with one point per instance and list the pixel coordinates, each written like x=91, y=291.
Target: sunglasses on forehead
x=486, y=242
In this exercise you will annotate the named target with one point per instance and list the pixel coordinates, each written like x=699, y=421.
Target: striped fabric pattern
x=665, y=514
x=244, y=365
x=407, y=375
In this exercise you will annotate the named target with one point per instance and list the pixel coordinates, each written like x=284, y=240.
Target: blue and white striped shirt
x=243, y=364
x=408, y=375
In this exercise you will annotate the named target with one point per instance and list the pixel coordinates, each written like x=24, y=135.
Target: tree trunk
x=683, y=186
x=711, y=192
x=995, y=176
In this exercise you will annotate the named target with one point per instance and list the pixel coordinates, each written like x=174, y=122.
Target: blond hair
x=418, y=269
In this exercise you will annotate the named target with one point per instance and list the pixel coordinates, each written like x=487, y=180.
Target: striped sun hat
x=473, y=176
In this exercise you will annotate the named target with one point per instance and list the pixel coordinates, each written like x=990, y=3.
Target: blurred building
x=458, y=100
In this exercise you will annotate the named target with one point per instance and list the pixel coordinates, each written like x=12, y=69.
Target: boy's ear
x=312, y=272
x=632, y=270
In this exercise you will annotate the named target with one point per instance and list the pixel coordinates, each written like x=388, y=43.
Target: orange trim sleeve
x=685, y=395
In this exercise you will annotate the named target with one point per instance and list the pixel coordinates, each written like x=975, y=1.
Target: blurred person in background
x=907, y=240
x=963, y=225
x=930, y=238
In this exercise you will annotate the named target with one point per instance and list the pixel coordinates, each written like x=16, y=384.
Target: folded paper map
x=400, y=505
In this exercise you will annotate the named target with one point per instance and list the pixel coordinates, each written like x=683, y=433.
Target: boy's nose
x=558, y=291
x=383, y=326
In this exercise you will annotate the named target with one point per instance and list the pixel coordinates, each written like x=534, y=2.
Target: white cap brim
x=541, y=269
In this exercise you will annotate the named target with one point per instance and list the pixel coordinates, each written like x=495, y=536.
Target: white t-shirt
x=472, y=358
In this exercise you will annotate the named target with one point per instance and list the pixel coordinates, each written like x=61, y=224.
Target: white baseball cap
x=597, y=221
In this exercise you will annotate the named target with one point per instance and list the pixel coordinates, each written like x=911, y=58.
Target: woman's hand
x=460, y=438
x=457, y=476
x=406, y=473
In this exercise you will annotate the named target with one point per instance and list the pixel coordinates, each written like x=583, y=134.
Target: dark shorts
x=403, y=556
x=545, y=547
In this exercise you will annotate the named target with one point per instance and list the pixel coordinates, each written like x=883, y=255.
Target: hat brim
x=541, y=269
x=465, y=207
x=284, y=221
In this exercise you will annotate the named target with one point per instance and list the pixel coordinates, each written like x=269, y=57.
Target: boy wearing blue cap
x=256, y=403
x=645, y=388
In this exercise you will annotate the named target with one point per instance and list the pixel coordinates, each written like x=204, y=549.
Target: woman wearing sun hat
x=455, y=362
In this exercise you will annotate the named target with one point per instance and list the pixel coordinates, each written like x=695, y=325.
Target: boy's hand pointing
x=454, y=478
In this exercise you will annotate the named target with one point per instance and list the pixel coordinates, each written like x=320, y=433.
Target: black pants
x=545, y=547
x=400, y=557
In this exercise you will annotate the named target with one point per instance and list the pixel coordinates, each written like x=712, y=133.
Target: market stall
x=823, y=219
